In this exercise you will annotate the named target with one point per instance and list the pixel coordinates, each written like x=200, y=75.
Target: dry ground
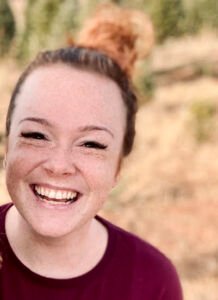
x=168, y=193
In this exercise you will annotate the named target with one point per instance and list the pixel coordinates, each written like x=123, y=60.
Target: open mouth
x=55, y=196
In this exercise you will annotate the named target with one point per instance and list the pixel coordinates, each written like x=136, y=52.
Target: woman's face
x=64, y=147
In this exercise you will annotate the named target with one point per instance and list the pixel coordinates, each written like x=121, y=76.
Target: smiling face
x=64, y=147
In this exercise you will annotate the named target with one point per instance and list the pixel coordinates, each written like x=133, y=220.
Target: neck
x=76, y=253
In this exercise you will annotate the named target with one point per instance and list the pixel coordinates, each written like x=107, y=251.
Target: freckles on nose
x=60, y=162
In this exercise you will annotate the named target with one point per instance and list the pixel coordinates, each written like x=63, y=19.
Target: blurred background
x=168, y=192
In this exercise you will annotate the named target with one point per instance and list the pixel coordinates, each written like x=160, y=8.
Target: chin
x=49, y=230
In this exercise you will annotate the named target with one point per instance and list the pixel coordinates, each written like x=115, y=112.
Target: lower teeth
x=55, y=201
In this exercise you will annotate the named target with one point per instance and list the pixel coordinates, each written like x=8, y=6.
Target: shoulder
x=146, y=263
x=143, y=250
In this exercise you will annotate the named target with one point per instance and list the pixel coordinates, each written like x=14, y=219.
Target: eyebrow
x=37, y=120
x=98, y=128
x=82, y=128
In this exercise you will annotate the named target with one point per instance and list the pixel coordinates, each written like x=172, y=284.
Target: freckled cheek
x=20, y=161
x=99, y=176
x=16, y=171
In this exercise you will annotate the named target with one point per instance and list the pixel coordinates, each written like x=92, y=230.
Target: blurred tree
x=7, y=27
x=168, y=17
x=202, y=13
x=194, y=19
x=209, y=9
x=65, y=24
x=50, y=24
x=40, y=15
x=145, y=84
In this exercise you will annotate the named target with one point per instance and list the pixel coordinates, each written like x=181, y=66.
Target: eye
x=33, y=135
x=94, y=145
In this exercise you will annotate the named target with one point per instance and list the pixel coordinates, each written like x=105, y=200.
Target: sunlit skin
x=66, y=134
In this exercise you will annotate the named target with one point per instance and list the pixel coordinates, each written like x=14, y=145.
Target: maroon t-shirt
x=130, y=269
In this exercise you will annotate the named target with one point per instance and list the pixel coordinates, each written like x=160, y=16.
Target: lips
x=55, y=195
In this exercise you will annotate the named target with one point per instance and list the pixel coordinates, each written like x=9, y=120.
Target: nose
x=60, y=162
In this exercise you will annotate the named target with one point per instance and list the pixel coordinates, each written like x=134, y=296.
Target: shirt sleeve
x=172, y=289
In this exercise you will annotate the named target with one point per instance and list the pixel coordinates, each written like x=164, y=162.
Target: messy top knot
x=123, y=34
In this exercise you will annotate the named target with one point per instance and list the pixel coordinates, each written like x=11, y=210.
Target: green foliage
x=203, y=119
x=168, y=17
x=147, y=85
x=39, y=19
x=194, y=20
x=50, y=22
x=209, y=10
x=144, y=82
x=64, y=25
x=7, y=27
x=202, y=13
x=143, y=5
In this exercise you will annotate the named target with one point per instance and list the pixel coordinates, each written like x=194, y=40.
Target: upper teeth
x=55, y=194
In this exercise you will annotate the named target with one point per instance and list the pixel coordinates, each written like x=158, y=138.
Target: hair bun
x=123, y=34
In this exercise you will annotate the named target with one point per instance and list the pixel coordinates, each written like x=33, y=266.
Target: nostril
x=60, y=164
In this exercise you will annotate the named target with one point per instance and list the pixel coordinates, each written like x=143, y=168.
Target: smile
x=55, y=196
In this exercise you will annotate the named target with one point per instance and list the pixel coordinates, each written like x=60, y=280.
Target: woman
x=70, y=123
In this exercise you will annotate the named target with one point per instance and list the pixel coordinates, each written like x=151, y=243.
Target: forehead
x=70, y=91
x=59, y=78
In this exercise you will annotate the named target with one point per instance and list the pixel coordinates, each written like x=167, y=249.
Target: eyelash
x=40, y=136
x=94, y=145
x=33, y=135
